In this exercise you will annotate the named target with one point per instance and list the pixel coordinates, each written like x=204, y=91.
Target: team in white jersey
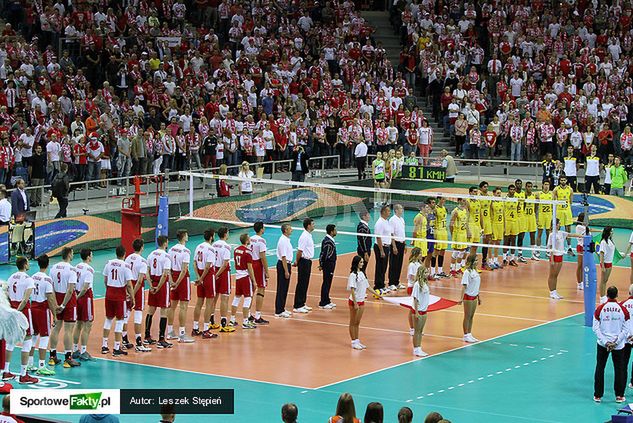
x=160, y=282
x=138, y=265
x=204, y=258
x=64, y=278
x=181, y=288
x=223, y=277
x=260, y=269
x=21, y=286
x=85, y=306
x=118, y=280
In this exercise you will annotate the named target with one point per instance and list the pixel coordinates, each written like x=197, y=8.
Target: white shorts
x=105, y=164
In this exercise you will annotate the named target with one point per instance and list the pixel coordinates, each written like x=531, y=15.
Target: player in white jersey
x=20, y=288
x=260, y=268
x=223, y=276
x=64, y=278
x=628, y=305
x=43, y=303
x=138, y=265
x=204, y=258
x=118, y=281
x=85, y=306
x=181, y=288
x=160, y=278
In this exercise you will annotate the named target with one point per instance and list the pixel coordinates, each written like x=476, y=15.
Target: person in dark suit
x=327, y=263
x=20, y=202
x=299, y=165
x=364, y=242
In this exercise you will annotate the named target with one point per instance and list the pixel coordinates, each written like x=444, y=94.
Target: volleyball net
x=275, y=202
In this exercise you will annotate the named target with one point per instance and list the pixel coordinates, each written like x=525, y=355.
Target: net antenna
x=277, y=201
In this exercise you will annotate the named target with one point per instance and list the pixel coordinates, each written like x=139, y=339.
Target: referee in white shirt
x=5, y=208
x=284, y=266
x=305, y=253
x=360, y=155
x=398, y=247
x=382, y=247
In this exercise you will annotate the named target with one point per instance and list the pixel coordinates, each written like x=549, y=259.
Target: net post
x=190, y=194
x=554, y=230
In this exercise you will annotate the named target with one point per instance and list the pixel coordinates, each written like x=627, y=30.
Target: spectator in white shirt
x=284, y=263
x=5, y=208
x=360, y=155
x=303, y=263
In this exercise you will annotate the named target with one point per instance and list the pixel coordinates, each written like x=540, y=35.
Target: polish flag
x=435, y=302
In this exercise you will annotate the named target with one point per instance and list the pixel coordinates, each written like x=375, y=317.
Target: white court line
x=448, y=351
x=372, y=328
x=433, y=285
x=201, y=373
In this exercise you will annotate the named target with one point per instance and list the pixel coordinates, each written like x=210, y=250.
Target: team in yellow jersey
x=564, y=193
x=497, y=221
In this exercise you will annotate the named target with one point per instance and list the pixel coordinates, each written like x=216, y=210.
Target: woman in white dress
x=607, y=251
x=246, y=174
x=358, y=284
x=470, y=296
x=421, y=298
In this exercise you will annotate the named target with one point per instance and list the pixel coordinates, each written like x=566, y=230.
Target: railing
x=96, y=198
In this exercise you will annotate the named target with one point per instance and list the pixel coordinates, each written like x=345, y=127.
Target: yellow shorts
x=522, y=222
x=564, y=216
x=497, y=231
x=459, y=237
x=423, y=246
x=544, y=221
x=512, y=228
x=475, y=233
x=530, y=223
x=441, y=235
x=487, y=226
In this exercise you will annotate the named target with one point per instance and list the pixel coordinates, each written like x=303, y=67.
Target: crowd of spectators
x=374, y=413
x=125, y=88
x=521, y=79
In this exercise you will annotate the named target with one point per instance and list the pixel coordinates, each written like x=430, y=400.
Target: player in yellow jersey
x=511, y=227
x=564, y=192
x=419, y=230
x=496, y=213
x=460, y=232
x=430, y=260
x=474, y=220
x=544, y=218
x=530, y=216
x=441, y=234
x=520, y=194
x=486, y=224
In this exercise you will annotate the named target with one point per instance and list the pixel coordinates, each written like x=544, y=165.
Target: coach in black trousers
x=305, y=253
x=363, y=247
x=327, y=264
x=382, y=247
x=610, y=322
x=284, y=267
x=398, y=247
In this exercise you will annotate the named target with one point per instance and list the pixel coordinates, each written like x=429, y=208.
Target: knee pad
x=247, y=302
x=26, y=345
x=43, y=344
x=236, y=301
x=118, y=327
x=138, y=317
x=9, y=347
x=107, y=325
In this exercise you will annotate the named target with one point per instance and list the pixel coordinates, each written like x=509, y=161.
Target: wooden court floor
x=301, y=351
